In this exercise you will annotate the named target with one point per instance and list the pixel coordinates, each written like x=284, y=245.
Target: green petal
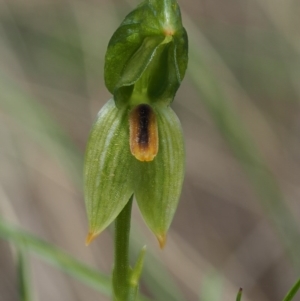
x=159, y=182
x=107, y=168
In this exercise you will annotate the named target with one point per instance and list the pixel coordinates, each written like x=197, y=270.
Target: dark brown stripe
x=144, y=112
x=143, y=133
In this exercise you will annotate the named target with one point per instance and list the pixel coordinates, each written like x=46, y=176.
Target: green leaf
x=23, y=276
x=292, y=293
x=158, y=183
x=107, y=168
x=239, y=295
x=137, y=270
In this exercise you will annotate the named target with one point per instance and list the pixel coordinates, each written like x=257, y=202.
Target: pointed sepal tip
x=90, y=237
x=162, y=239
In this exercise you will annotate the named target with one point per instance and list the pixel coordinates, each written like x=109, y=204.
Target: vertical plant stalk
x=121, y=272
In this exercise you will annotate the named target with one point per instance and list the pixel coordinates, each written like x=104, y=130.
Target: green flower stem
x=121, y=273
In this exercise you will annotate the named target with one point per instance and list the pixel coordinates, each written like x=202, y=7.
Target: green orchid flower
x=136, y=144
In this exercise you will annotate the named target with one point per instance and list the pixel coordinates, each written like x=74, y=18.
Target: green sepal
x=158, y=183
x=107, y=168
x=151, y=47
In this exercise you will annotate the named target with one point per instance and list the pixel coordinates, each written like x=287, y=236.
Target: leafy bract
x=149, y=47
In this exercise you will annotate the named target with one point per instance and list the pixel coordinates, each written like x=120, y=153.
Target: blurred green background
x=237, y=224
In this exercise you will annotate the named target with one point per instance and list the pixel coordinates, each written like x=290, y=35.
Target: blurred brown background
x=239, y=108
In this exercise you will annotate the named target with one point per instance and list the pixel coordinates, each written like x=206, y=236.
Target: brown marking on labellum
x=143, y=133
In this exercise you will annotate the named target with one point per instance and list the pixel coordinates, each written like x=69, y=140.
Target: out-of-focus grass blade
x=233, y=130
x=56, y=257
x=211, y=288
x=24, y=276
x=239, y=295
x=291, y=294
x=32, y=117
